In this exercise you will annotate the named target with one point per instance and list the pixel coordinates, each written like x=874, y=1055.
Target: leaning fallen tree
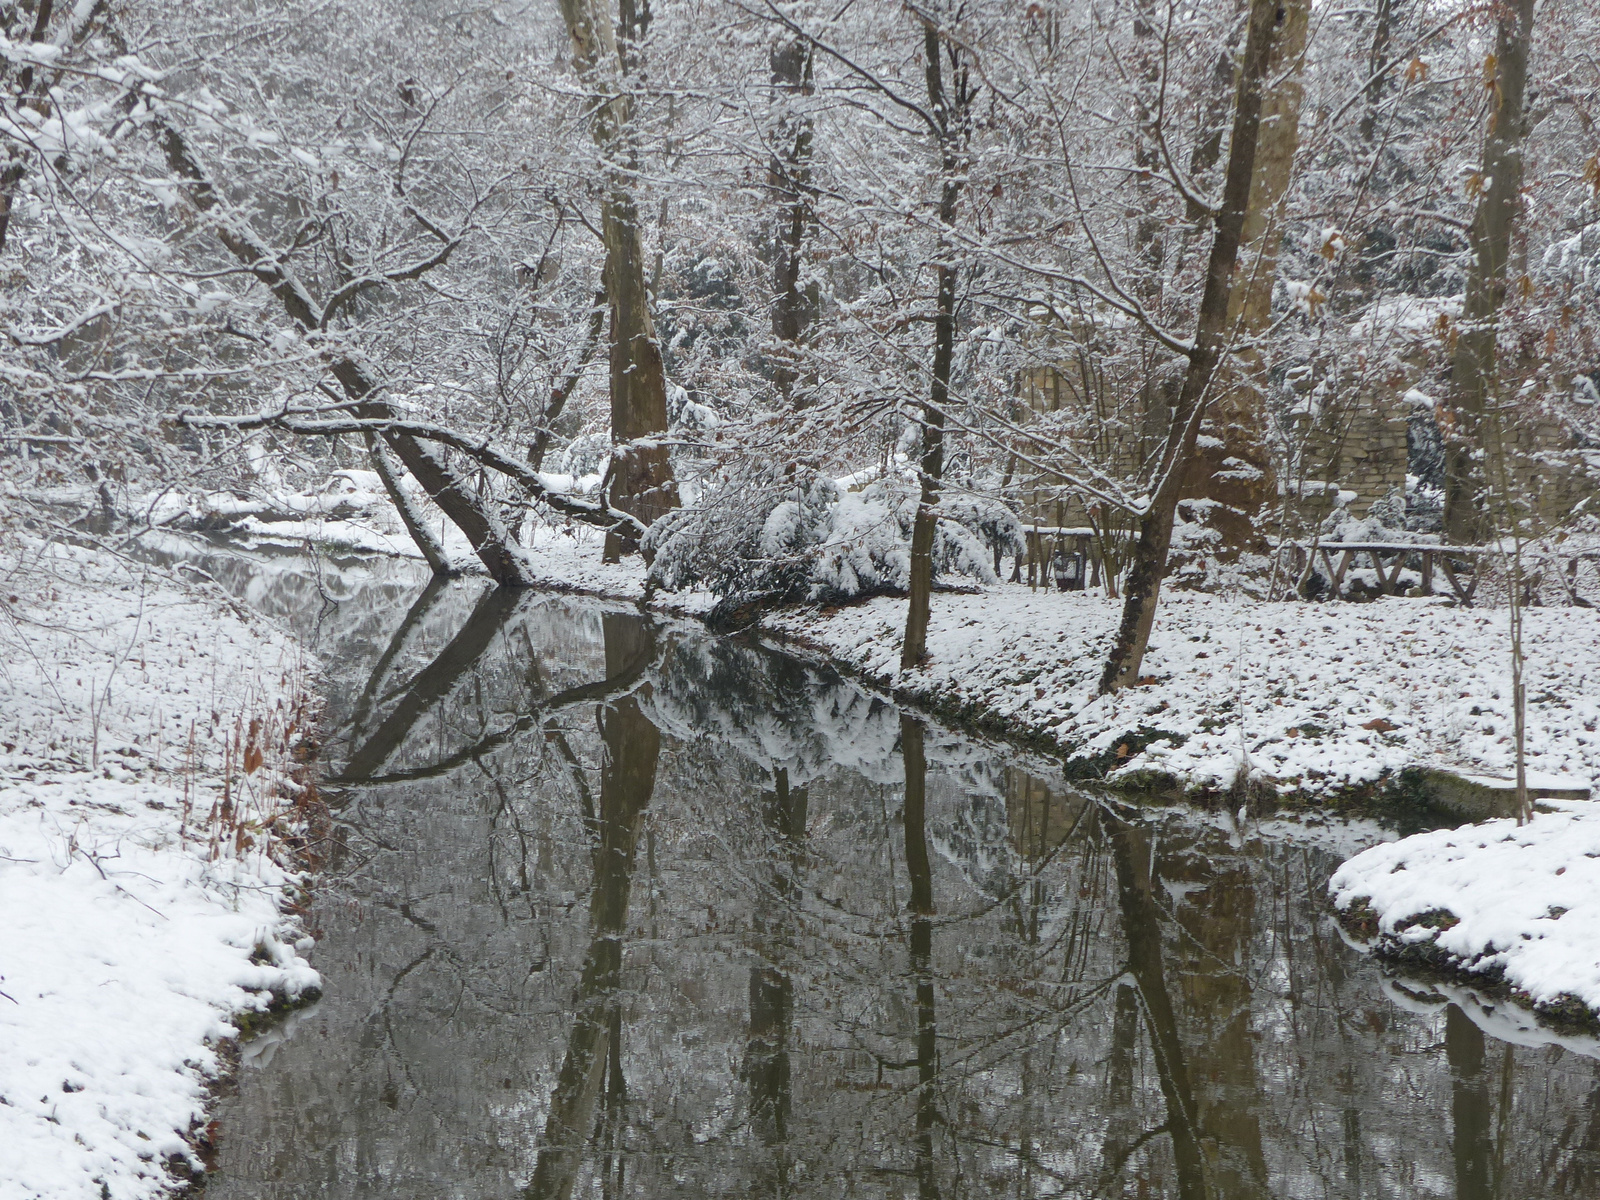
x=534, y=485
x=416, y=444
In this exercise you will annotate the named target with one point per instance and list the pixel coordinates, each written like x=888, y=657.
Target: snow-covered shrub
x=769, y=534
x=991, y=522
x=867, y=546
x=687, y=415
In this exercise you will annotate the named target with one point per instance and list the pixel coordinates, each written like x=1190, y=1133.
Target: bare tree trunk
x=950, y=113
x=1382, y=33
x=1234, y=466
x=789, y=176
x=641, y=476
x=1149, y=559
x=640, y=479
x=1472, y=379
x=421, y=535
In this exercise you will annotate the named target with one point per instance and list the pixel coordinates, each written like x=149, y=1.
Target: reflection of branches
x=432, y=683
x=601, y=691
x=420, y=608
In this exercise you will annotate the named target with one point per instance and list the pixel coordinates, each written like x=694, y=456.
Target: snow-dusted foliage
x=803, y=537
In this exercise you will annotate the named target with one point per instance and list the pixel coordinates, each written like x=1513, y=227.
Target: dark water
x=621, y=909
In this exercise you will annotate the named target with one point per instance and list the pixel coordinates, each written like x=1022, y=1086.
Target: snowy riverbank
x=146, y=734
x=1306, y=698
x=1509, y=907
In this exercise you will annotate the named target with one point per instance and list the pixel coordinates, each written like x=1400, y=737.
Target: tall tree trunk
x=950, y=114
x=640, y=478
x=1233, y=467
x=789, y=177
x=1473, y=374
x=1149, y=559
x=1382, y=34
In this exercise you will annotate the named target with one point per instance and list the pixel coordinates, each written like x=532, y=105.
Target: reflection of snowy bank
x=146, y=735
x=1510, y=907
x=1310, y=698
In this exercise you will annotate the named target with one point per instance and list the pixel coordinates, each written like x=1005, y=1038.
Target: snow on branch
x=533, y=483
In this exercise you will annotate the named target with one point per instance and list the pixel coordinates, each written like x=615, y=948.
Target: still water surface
x=616, y=908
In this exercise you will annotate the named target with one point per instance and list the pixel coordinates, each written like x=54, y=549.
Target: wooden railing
x=1067, y=556
x=1457, y=566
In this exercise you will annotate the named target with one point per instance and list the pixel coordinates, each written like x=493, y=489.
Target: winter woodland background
x=802, y=295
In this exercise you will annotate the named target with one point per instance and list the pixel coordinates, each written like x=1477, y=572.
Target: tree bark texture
x=640, y=478
x=1473, y=373
x=1149, y=558
x=789, y=177
x=1382, y=33
x=950, y=114
x=1233, y=467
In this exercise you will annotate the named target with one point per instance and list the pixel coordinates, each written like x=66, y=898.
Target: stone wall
x=1355, y=448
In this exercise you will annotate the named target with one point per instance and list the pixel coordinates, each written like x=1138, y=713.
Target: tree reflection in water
x=592, y=1065
x=628, y=910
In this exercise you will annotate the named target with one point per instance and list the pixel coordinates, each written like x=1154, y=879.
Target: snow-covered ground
x=1306, y=697
x=145, y=739
x=1507, y=904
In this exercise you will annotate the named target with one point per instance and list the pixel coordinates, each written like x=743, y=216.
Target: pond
x=615, y=907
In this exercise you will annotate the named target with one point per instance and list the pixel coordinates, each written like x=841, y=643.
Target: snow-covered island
x=147, y=765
